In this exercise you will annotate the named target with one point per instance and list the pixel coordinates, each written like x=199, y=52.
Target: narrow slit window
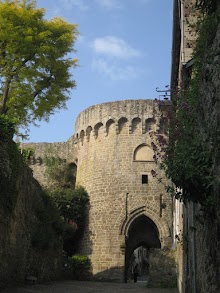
x=144, y=179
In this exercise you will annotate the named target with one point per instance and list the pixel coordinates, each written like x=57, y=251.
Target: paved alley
x=87, y=287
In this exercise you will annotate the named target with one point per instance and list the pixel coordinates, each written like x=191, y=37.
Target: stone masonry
x=114, y=157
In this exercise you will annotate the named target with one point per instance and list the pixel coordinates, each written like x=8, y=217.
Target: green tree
x=73, y=208
x=35, y=62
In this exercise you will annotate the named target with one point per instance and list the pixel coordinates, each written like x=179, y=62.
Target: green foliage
x=81, y=265
x=27, y=153
x=35, y=74
x=58, y=172
x=71, y=202
x=206, y=6
x=49, y=224
x=7, y=128
x=10, y=164
x=72, y=205
x=192, y=141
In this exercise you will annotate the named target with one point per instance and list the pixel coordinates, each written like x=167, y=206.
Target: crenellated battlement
x=100, y=118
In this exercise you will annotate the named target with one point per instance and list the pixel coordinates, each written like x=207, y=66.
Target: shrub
x=81, y=266
x=72, y=205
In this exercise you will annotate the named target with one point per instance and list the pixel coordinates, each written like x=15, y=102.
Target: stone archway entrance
x=143, y=244
x=142, y=236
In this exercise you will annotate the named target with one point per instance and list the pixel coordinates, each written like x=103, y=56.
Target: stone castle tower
x=128, y=207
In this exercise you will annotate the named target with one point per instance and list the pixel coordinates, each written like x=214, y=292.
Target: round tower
x=128, y=207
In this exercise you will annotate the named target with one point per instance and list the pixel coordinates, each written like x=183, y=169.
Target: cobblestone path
x=87, y=287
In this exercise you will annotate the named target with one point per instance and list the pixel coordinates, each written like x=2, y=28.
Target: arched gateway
x=112, y=148
x=142, y=232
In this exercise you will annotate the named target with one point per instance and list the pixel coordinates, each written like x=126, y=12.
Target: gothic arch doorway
x=142, y=235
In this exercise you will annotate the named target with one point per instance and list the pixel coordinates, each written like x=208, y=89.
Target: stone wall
x=64, y=150
x=21, y=213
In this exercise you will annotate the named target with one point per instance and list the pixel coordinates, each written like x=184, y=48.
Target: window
x=144, y=179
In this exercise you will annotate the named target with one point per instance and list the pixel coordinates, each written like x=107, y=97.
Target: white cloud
x=69, y=4
x=113, y=71
x=109, y=4
x=114, y=47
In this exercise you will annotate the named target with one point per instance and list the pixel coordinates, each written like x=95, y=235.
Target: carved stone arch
x=122, y=124
x=109, y=126
x=143, y=153
x=88, y=132
x=144, y=228
x=150, y=124
x=162, y=227
x=136, y=124
x=97, y=129
x=82, y=136
x=163, y=125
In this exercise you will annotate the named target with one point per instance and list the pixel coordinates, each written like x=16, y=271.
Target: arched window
x=143, y=153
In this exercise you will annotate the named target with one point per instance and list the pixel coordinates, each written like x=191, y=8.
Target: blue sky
x=124, y=52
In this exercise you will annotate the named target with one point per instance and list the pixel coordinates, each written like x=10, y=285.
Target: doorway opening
x=142, y=235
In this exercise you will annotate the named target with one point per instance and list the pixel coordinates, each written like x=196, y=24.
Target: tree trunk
x=3, y=108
